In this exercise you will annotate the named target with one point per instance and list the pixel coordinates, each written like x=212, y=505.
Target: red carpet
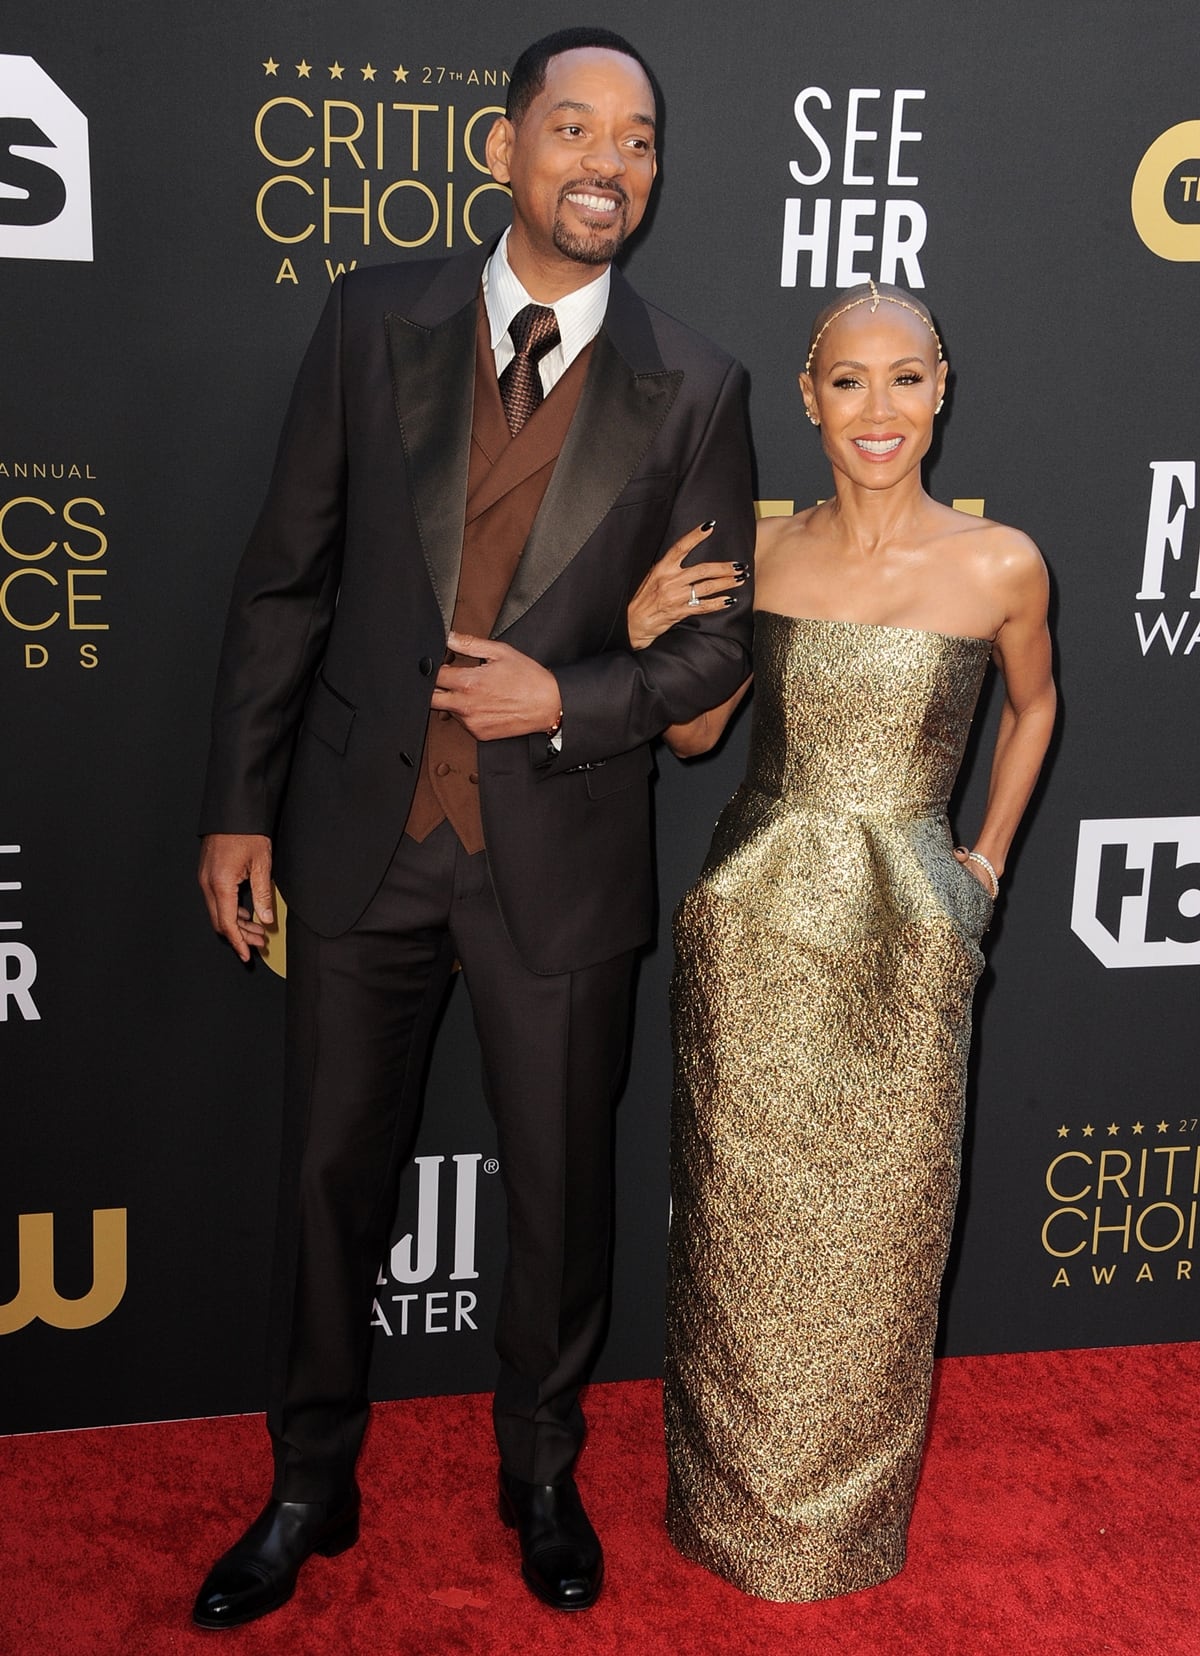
x=1057, y=1514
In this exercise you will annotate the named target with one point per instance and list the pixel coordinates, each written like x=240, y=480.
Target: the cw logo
x=37, y=1297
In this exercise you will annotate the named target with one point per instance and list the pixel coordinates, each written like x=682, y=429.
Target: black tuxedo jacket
x=344, y=597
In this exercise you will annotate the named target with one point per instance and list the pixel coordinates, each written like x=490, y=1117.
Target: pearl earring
x=940, y=401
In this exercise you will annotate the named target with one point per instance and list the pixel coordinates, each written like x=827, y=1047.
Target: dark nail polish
x=742, y=578
x=730, y=602
x=739, y=568
x=711, y=524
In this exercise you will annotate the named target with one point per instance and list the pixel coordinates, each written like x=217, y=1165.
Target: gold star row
x=337, y=70
x=1138, y=1128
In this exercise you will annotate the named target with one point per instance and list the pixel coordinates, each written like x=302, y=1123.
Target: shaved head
x=872, y=294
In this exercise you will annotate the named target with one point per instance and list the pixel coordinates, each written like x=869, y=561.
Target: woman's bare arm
x=704, y=732
x=1023, y=654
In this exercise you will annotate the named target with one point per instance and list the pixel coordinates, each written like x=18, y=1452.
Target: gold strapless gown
x=825, y=962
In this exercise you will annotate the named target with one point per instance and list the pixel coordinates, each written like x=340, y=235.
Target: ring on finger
x=693, y=602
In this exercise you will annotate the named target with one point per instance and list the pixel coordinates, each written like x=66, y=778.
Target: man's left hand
x=508, y=694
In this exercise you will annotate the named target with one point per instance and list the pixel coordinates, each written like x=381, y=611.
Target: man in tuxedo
x=429, y=714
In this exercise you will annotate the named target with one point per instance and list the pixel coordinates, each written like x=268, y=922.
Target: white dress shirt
x=579, y=315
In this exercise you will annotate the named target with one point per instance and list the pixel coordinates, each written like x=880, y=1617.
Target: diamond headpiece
x=874, y=298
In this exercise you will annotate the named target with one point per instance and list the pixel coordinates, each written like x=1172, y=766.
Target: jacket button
x=443, y=769
x=426, y=666
x=407, y=759
x=473, y=777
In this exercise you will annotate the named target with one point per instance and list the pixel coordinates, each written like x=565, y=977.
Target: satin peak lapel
x=620, y=413
x=433, y=384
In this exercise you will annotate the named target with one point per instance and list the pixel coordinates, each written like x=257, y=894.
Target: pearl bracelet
x=978, y=857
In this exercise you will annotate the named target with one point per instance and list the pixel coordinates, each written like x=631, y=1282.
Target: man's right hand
x=226, y=861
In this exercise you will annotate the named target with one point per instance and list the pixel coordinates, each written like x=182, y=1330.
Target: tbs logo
x=45, y=174
x=1137, y=891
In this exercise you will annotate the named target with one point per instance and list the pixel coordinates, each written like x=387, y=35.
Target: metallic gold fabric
x=826, y=960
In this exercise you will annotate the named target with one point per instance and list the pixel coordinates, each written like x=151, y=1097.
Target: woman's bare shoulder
x=988, y=538
x=1007, y=562
x=782, y=534
x=1008, y=553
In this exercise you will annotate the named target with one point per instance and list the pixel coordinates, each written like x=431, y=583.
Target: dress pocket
x=978, y=905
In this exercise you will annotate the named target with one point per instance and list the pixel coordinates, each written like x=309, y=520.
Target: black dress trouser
x=360, y=1009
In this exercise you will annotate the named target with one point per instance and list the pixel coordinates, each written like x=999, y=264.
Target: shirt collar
x=579, y=314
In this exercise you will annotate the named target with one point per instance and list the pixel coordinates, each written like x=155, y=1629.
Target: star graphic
x=400, y=74
x=1162, y=1127
x=1139, y=1127
x=335, y=70
x=303, y=69
x=368, y=73
x=271, y=66
x=1088, y=1131
x=1113, y=1129
x=1064, y=1132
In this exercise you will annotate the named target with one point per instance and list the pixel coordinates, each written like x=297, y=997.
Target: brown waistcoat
x=506, y=480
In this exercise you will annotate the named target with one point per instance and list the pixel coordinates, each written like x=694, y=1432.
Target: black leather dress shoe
x=561, y=1560
x=259, y=1572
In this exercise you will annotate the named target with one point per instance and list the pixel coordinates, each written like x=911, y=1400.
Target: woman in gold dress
x=825, y=964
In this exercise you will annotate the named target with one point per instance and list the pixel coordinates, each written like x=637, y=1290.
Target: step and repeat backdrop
x=177, y=192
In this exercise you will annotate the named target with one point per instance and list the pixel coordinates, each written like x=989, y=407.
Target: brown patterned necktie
x=533, y=331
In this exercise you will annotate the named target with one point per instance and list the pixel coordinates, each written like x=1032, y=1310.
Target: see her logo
x=45, y=172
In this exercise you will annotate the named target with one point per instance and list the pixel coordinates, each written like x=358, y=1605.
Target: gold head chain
x=874, y=299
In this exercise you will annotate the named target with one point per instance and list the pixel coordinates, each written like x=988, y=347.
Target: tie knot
x=534, y=331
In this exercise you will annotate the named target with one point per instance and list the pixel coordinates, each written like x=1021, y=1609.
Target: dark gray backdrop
x=146, y=1086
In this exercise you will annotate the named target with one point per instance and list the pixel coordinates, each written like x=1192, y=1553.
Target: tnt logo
x=45, y=172
x=1137, y=891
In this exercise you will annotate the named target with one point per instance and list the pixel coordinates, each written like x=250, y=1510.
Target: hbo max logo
x=1137, y=890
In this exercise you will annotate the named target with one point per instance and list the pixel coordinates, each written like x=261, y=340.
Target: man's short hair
x=528, y=75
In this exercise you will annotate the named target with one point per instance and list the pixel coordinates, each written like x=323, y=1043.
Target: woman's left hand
x=670, y=593
x=976, y=870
